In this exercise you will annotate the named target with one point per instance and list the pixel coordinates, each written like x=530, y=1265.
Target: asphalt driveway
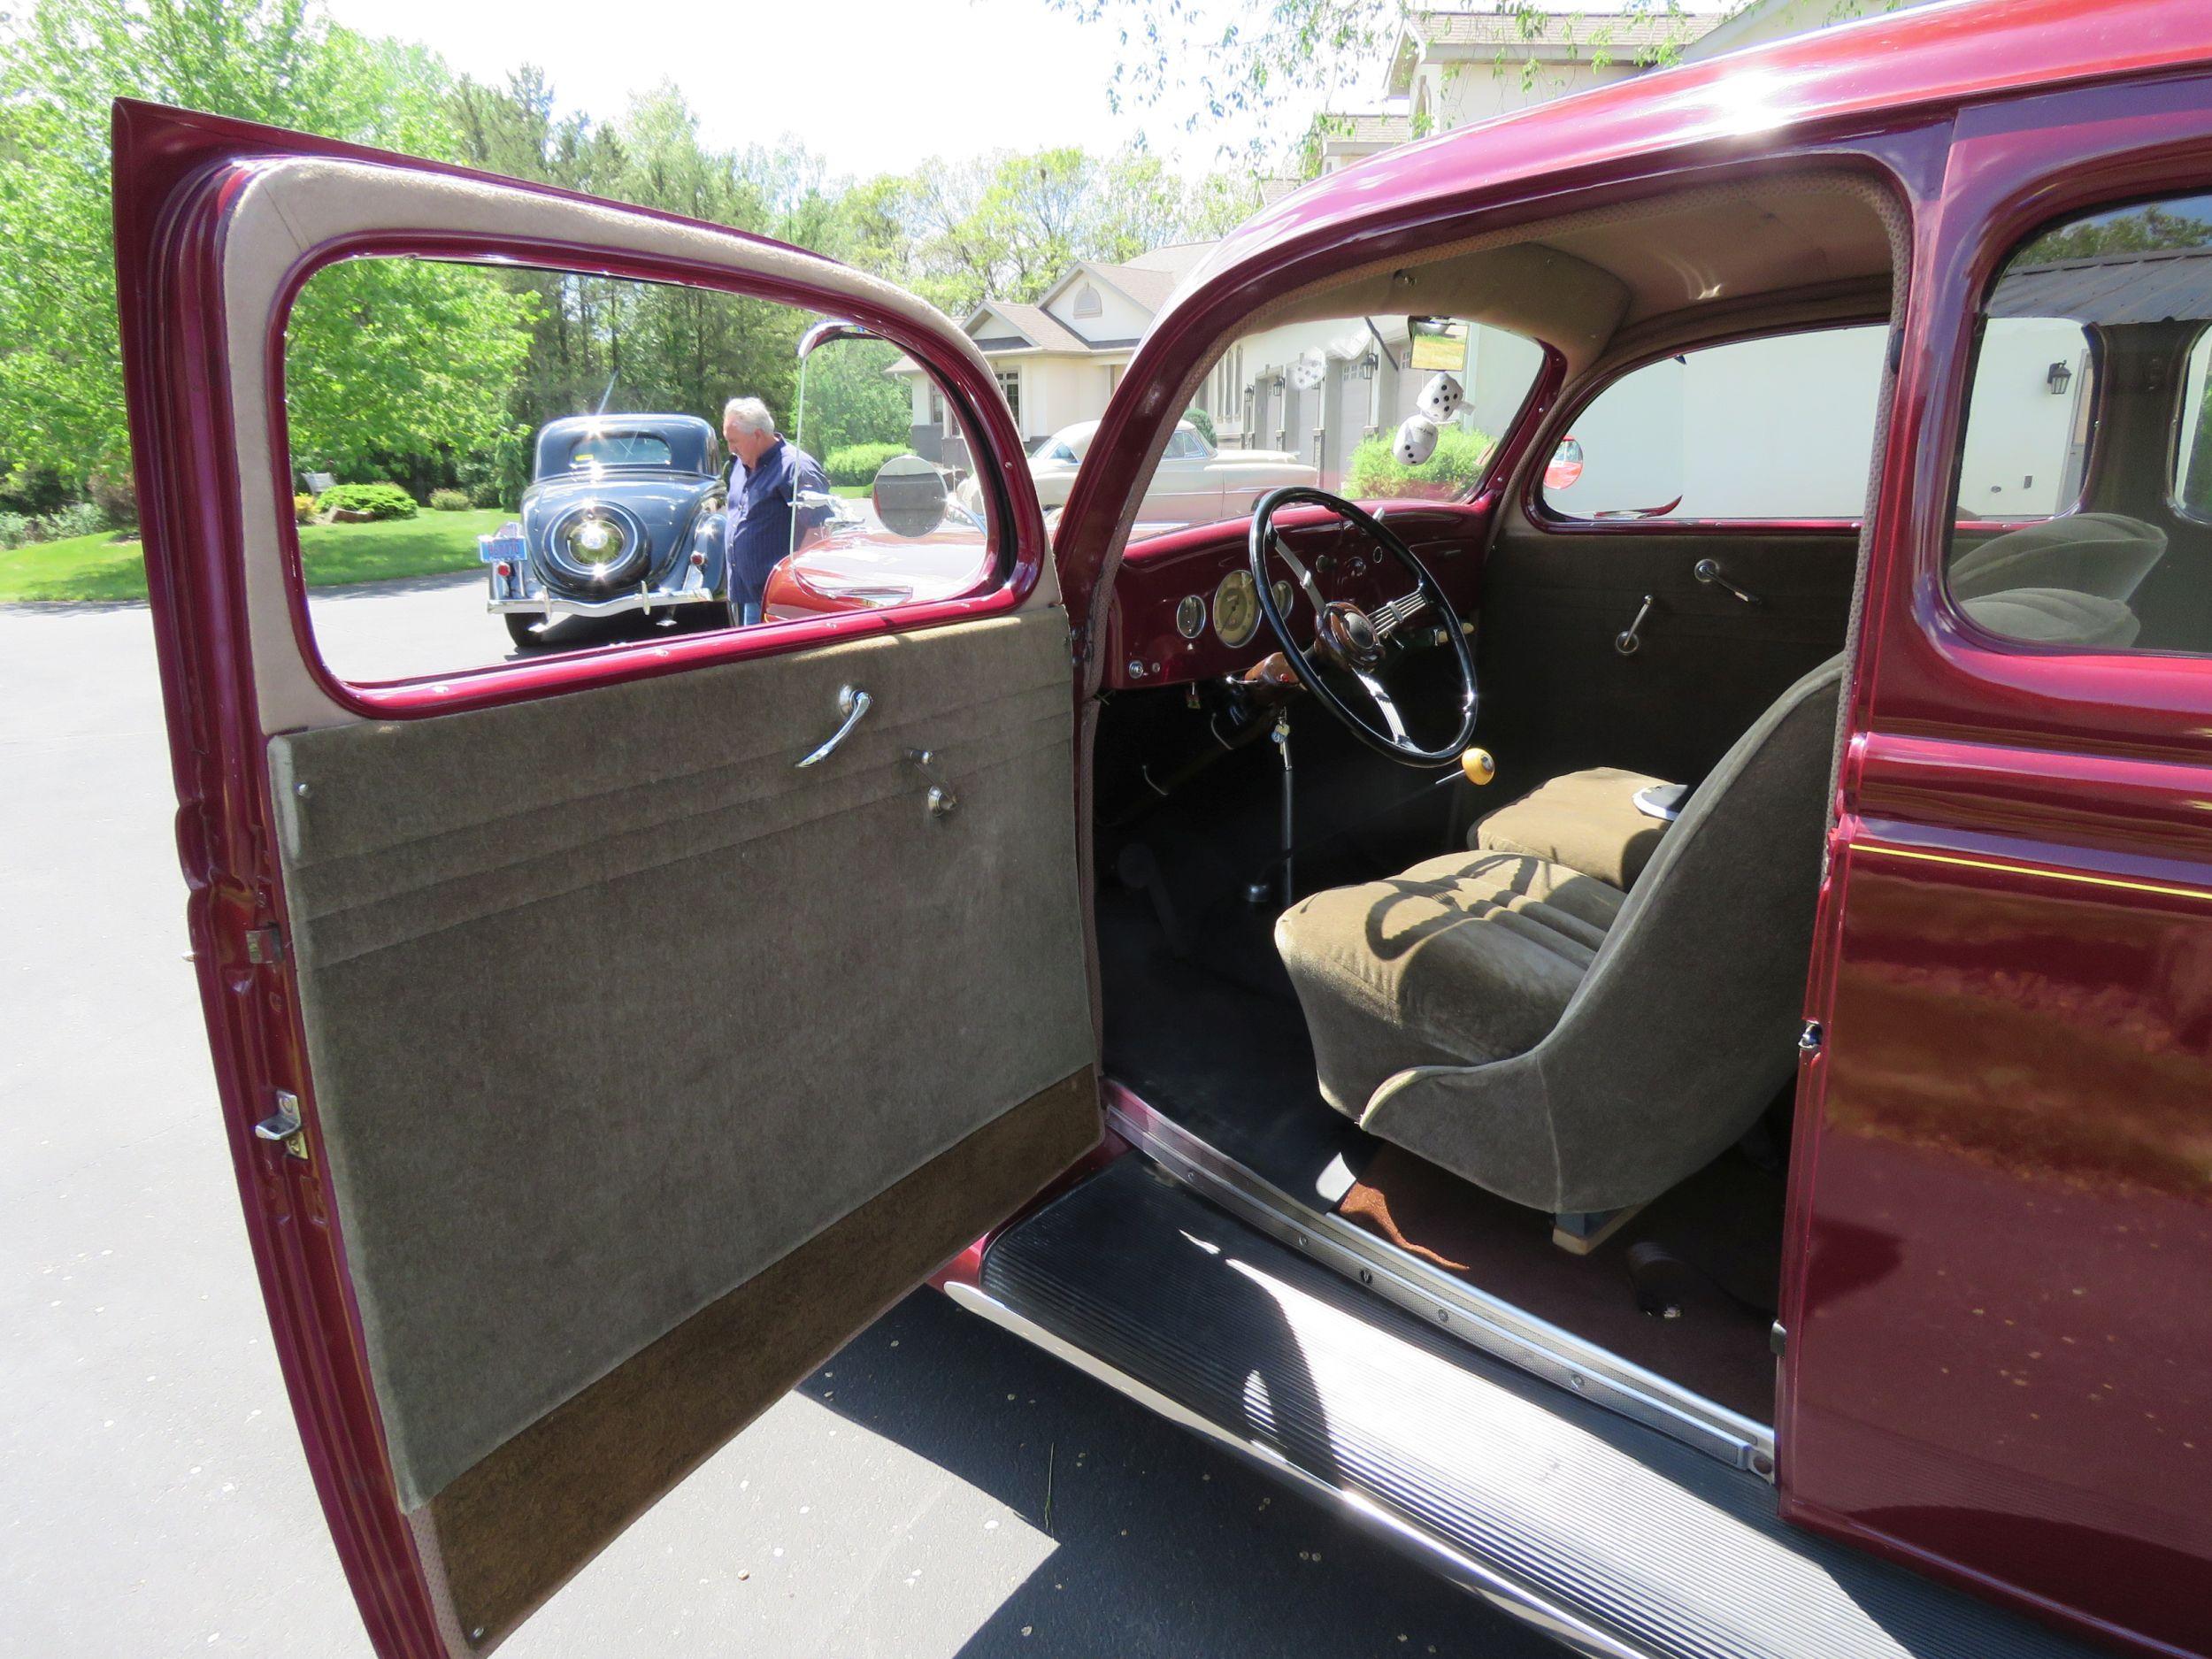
x=937, y=1489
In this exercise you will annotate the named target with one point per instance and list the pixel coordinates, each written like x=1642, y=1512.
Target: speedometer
x=1237, y=608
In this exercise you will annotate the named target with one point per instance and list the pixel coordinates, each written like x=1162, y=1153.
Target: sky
x=870, y=86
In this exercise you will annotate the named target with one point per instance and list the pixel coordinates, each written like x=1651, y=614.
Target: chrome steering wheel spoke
x=1348, y=638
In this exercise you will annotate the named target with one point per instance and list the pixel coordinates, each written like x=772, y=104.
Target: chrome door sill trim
x=1482, y=1321
x=1501, y=1589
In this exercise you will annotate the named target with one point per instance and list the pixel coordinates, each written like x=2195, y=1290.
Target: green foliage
x=61, y=62
x=2135, y=230
x=15, y=529
x=79, y=518
x=1204, y=421
x=846, y=397
x=1006, y=226
x=859, y=463
x=449, y=500
x=1461, y=453
x=379, y=500
x=390, y=358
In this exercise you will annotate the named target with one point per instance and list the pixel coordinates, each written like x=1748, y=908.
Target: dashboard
x=1184, y=608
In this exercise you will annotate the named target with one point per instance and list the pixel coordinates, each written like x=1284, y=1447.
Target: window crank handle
x=1627, y=640
x=1708, y=571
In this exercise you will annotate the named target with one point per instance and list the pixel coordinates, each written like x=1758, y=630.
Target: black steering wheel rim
x=1406, y=753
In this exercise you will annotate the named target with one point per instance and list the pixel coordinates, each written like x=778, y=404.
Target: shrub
x=859, y=463
x=1204, y=421
x=449, y=500
x=379, y=500
x=485, y=492
x=79, y=518
x=116, y=496
x=1461, y=453
x=303, y=509
x=16, y=530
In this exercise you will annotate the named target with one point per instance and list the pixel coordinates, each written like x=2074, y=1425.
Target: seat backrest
x=2105, y=555
x=1684, y=1027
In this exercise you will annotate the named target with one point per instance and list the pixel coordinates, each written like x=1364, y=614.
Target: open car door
x=591, y=1067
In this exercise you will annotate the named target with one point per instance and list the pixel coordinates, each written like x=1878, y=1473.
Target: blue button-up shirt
x=759, y=525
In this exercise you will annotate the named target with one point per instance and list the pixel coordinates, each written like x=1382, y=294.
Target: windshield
x=1322, y=401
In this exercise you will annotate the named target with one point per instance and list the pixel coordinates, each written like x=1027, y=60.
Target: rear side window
x=1776, y=427
x=2085, y=466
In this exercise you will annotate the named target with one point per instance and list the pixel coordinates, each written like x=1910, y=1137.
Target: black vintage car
x=624, y=512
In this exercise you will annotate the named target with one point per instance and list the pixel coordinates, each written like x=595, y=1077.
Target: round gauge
x=1237, y=608
x=1281, y=589
x=1190, y=615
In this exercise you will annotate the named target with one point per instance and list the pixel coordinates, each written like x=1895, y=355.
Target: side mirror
x=909, y=495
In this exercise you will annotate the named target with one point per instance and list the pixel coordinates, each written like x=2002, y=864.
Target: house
x=1454, y=68
x=1059, y=359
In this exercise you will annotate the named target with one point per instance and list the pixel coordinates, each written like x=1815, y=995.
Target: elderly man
x=765, y=482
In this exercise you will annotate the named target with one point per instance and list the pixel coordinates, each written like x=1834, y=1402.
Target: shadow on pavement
x=1162, y=1544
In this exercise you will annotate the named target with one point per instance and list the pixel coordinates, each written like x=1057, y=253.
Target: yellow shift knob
x=1477, y=766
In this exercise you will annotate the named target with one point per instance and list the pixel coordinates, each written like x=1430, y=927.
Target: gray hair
x=748, y=414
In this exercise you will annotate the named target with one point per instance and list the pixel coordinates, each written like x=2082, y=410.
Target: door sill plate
x=1482, y=1321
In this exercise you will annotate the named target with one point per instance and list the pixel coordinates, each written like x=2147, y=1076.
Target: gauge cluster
x=1185, y=606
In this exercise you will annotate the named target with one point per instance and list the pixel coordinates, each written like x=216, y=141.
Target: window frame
x=1997, y=240
x=1019, y=562
x=1542, y=517
x=2174, y=504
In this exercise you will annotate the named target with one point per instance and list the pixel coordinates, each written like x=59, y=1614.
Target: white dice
x=1441, y=398
x=1310, y=371
x=1415, y=440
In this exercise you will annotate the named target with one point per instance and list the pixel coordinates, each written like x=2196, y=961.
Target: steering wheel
x=1354, y=639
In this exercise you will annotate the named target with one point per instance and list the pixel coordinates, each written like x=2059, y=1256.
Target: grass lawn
x=850, y=492
x=95, y=567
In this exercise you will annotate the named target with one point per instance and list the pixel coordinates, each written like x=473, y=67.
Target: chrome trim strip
x=1476, y=1318
x=1502, y=1590
x=652, y=601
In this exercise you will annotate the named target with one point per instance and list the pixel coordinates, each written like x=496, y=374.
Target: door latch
x=1808, y=1040
x=285, y=1125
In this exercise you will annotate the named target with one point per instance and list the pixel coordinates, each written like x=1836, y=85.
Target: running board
x=1616, y=1541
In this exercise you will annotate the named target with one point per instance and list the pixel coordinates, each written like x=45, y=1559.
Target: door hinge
x=285, y=1125
x=264, y=944
x=1808, y=1040
x=1079, y=643
x=1777, y=1339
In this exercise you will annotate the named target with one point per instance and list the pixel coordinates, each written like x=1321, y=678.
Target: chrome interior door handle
x=1708, y=571
x=852, y=702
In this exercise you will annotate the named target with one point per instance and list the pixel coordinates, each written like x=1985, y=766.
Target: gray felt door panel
x=609, y=1006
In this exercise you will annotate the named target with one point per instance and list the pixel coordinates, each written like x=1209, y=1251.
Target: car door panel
x=639, y=1067
x=1559, y=692
x=439, y=876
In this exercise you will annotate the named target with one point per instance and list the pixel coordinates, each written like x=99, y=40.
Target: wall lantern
x=2059, y=379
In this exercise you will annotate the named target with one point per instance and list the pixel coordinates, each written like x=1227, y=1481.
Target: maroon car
x=1731, y=1175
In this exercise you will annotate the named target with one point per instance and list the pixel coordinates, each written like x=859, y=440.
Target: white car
x=1196, y=483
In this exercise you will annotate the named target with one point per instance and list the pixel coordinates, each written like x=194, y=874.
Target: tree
x=1006, y=226
x=61, y=404
x=1256, y=66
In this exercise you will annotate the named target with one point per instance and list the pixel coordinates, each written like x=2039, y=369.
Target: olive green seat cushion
x=1586, y=820
x=1564, y=1044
